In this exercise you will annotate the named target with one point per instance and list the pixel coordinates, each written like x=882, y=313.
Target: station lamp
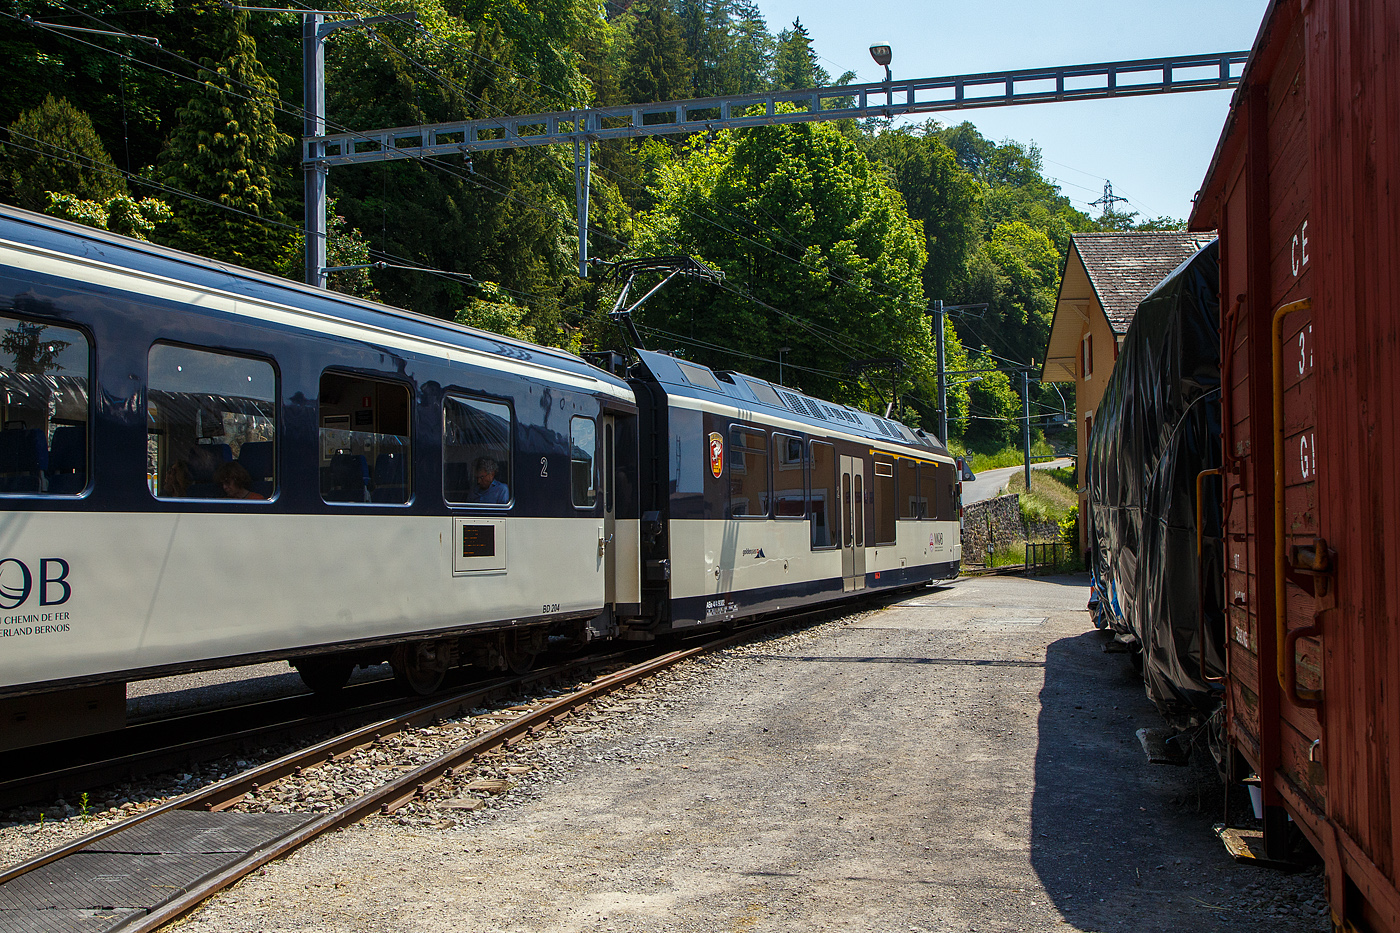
x=882, y=56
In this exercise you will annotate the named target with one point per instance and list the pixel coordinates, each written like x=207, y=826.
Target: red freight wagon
x=1303, y=190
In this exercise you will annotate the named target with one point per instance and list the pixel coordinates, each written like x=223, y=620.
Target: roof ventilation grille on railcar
x=795, y=402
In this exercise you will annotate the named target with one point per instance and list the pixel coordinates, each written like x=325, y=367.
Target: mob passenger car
x=203, y=466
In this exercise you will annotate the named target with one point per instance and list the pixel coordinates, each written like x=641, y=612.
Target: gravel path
x=964, y=760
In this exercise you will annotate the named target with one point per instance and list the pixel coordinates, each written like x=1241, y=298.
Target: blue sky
x=1154, y=149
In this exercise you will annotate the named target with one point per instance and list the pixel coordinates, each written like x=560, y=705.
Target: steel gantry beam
x=582, y=127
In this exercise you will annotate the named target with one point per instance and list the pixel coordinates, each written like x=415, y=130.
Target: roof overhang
x=1075, y=305
x=1263, y=56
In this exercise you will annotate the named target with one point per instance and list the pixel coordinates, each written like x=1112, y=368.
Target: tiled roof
x=1124, y=267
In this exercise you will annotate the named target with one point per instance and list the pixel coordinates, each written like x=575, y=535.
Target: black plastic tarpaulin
x=1156, y=429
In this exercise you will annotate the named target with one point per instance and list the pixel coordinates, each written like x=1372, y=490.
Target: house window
x=1086, y=356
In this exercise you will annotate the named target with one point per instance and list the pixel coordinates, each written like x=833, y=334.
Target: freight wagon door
x=852, y=504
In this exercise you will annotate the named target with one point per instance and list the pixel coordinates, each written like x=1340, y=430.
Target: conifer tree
x=54, y=148
x=795, y=63
x=224, y=149
x=750, y=55
x=658, y=66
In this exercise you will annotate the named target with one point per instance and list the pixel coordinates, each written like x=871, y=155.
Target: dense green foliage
x=834, y=238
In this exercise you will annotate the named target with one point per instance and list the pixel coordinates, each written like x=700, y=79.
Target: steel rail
x=389, y=797
x=221, y=794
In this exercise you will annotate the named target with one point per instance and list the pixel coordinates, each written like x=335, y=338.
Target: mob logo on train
x=18, y=583
x=716, y=454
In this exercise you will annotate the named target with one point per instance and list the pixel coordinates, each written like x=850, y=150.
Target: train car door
x=852, y=495
x=607, y=537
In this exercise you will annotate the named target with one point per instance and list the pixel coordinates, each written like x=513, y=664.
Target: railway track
x=186, y=739
x=150, y=869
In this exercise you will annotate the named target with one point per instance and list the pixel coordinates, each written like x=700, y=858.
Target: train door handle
x=603, y=543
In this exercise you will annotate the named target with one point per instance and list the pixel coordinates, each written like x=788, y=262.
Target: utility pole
x=782, y=351
x=942, y=374
x=314, y=30
x=313, y=82
x=938, y=310
x=1026, y=415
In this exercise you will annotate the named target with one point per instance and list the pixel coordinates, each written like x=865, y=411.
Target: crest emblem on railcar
x=716, y=454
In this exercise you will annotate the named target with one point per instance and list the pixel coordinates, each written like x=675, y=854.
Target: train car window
x=583, y=447
x=859, y=499
x=886, y=502
x=365, y=454
x=909, y=488
x=44, y=409
x=476, y=452
x=945, y=484
x=826, y=525
x=211, y=425
x=748, y=473
x=928, y=488
x=789, y=479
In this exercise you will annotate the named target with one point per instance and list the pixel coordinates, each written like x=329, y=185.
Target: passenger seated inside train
x=235, y=481
x=489, y=490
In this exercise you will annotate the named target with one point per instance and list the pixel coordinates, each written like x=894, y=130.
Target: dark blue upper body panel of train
x=123, y=325
x=684, y=486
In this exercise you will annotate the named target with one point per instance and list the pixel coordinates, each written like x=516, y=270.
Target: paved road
x=990, y=483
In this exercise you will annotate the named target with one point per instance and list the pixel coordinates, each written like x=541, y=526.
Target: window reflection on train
x=476, y=443
x=44, y=377
x=789, y=480
x=365, y=443
x=582, y=476
x=205, y=410
x=748, y=472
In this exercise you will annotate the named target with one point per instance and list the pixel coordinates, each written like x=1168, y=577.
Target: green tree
x=800, y=219
x=938, y=192
x=795, y=61
x=749, y=60
x=55, y=148
x=493, y=310
x=225, y=149
x=659, y=67
x=119, y=214
x=993, y=406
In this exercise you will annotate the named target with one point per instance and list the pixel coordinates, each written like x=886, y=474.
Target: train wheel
x=519, y=651
x=324, y=675
x=421, y=666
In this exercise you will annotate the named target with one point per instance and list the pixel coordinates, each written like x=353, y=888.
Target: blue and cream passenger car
x=202, y=466
x=756, y=498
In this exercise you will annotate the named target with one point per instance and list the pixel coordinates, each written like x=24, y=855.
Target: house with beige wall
x=1106, y=275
